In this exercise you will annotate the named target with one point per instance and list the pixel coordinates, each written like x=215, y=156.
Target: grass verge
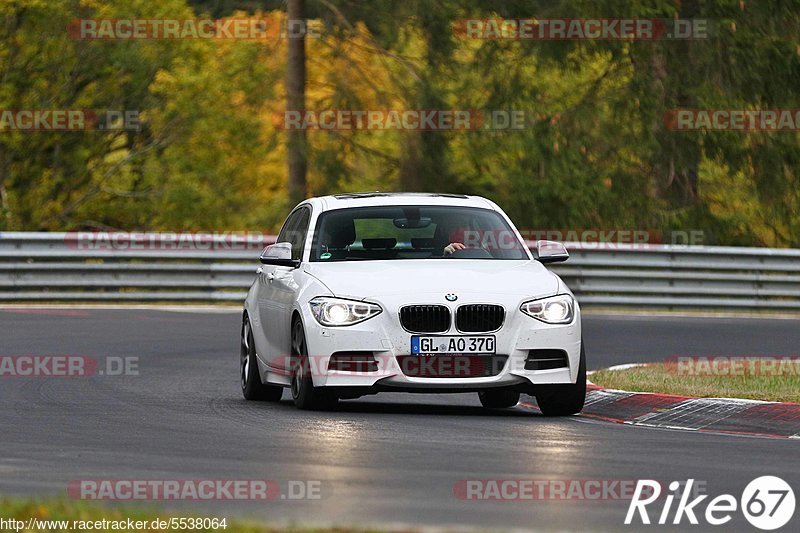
x=669, y=378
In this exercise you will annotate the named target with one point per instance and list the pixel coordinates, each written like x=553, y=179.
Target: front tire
x=563, y=400
x=252, y=387
x=499, y=398
x=305, y=395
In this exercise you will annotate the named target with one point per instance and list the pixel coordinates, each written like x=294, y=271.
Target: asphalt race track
x=386, y=459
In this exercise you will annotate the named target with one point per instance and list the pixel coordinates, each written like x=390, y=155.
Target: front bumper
x=385, y=338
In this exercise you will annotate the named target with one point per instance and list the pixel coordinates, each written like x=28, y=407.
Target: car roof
x=368, y=199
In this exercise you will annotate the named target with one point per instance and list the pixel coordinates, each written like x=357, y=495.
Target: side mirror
x=279, y=254
x=550, y=252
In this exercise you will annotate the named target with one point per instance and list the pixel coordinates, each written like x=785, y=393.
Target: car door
x=278, y=291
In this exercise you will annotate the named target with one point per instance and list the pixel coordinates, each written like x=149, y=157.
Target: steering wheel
x=470, y=253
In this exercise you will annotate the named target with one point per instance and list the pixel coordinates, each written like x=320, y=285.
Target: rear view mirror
x=550, y=252
x=279, y=254
x=412, y=223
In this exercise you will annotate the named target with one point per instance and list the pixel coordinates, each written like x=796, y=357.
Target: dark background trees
x=595, y=152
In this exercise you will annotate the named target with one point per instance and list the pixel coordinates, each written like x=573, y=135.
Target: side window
x=298, y=237
x=286, y=230
x=294, y=231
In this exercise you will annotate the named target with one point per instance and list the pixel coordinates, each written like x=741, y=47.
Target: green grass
x=72, y=511
x=668, y=379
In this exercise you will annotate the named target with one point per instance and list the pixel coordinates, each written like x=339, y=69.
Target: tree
x=297, y=146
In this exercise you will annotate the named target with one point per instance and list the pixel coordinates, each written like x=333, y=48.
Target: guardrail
x=51, y=267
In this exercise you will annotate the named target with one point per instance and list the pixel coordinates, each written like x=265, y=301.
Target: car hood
x=373, y=279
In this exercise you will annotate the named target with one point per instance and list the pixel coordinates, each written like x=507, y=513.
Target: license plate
x=458, y=345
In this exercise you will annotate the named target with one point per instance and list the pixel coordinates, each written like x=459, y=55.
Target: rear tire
x=252, y=387
x=563, y=400
x=499, y=398
x=305, y=395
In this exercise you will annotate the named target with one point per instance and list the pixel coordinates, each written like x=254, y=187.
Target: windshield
x=414, y=232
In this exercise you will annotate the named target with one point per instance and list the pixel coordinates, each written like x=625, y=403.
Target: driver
x=453, y=247
x=455, y=236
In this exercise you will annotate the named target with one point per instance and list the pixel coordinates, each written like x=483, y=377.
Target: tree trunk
x=297, y=146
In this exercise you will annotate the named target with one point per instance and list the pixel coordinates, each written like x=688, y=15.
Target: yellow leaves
x=732, y=197
x=238, y=98
x=164, y=77
x=8, y=5
x=352, y=72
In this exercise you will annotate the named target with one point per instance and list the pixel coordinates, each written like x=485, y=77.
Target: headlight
x=338, y=312
x=554, y=310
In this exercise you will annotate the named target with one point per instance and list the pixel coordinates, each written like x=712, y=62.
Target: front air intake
x=546, y=359
x=353, y=362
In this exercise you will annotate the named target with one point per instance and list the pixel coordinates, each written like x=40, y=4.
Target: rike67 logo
x=767, y=503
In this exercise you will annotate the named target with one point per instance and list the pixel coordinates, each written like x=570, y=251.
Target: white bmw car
x=429, y=293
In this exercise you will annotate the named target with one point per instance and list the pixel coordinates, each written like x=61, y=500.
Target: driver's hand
x=452, y=247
